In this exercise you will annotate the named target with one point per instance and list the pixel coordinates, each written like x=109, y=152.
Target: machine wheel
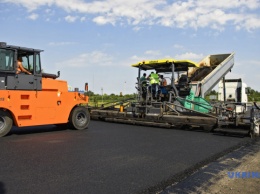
x=6, y=123
x=79, y=118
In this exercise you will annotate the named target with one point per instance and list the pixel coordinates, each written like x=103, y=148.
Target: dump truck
x=36, y=98
x=181, y=102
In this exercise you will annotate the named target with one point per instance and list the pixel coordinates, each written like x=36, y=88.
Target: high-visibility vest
x=154, y=79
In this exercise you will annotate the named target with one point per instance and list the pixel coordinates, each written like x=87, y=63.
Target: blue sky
x=97, y=41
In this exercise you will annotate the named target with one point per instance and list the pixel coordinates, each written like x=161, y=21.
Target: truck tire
x=79, y=118
x=6, y=123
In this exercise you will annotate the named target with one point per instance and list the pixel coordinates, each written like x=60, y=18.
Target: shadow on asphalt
x=35, y=129
x=193, y=129
x=229, y=135
x=201, y=130
x=2, y=188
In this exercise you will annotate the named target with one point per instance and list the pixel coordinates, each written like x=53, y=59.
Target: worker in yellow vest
x=154, y=81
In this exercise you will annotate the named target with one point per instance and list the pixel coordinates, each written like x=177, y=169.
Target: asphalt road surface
x=106, y=158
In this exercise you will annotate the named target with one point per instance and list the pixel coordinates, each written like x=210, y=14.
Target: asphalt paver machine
x=181, y=103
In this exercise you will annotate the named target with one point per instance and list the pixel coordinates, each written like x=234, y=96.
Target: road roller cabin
x=30, y=97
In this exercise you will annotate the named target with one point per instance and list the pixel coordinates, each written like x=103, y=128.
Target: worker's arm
x=22, y=68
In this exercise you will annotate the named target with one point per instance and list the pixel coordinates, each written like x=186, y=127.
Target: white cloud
x=177, y=46
x=153, y=52
x=60, y=43
x=151, y=55
x=48, y=10
x=255, y=63
x=82, y=19
x=137, y=28
x=148, y=55
x=136, y=59
x=96, y=58
x=232, y=4
x=190, y=56
x=70, y=18
x=101, y=20
x=251, y=24
x=241, y=14
x=33, y=16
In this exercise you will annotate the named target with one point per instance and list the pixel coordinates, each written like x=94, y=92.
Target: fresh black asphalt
x=106, y=158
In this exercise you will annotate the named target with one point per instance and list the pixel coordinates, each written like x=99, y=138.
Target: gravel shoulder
x=222, y=176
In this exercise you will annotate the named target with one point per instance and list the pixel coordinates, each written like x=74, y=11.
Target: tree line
x=253, y=95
